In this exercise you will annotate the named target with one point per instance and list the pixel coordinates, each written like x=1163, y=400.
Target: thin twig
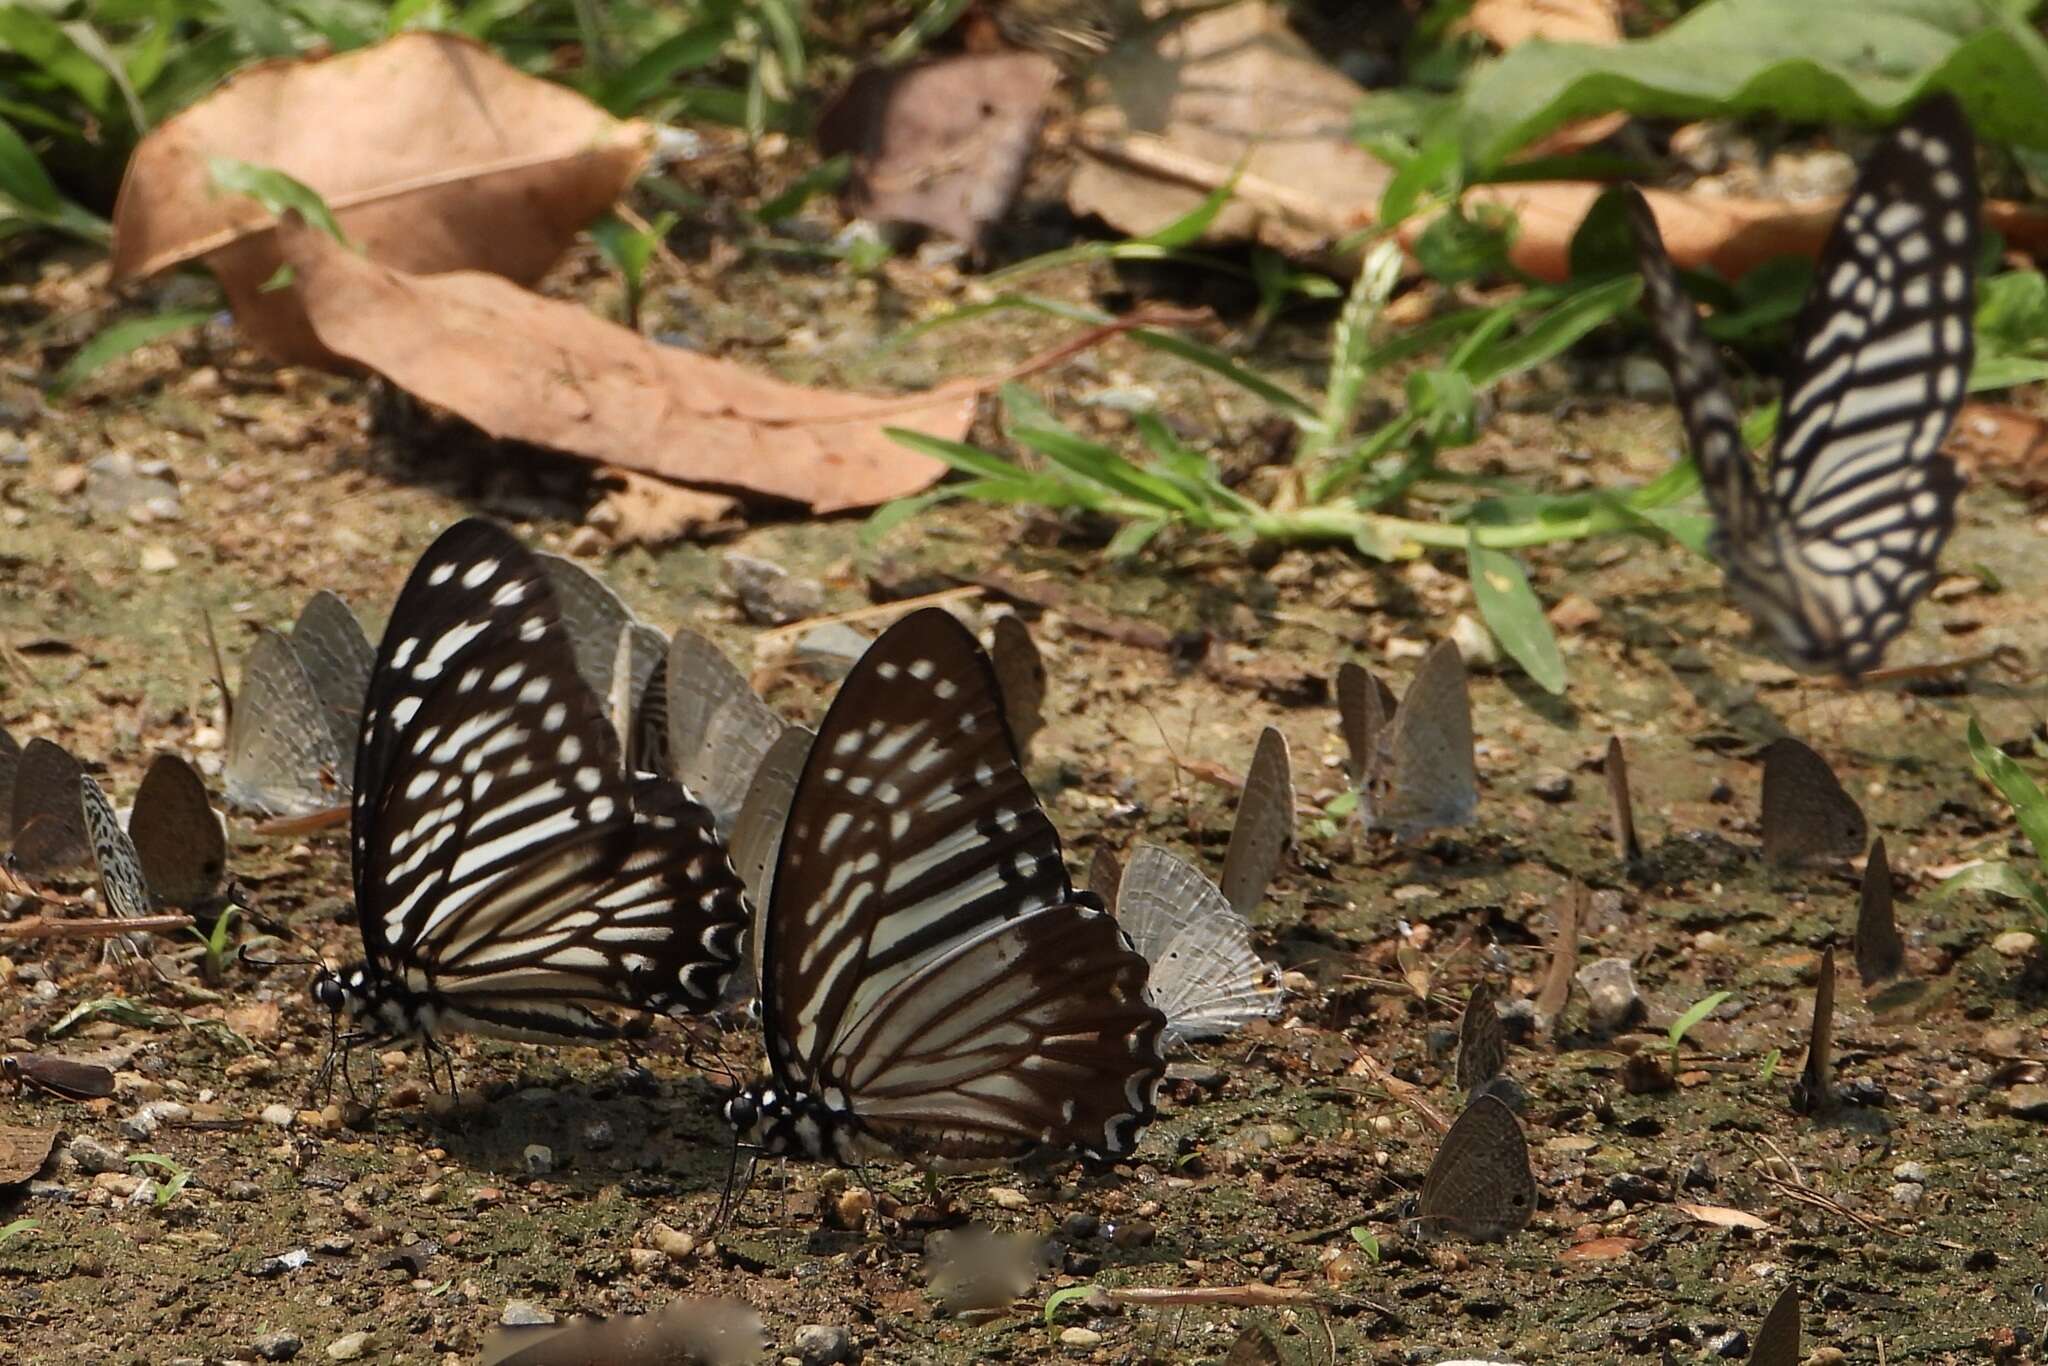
x=880, y=609
x=303, y=825
x=1253, y=1296
x=42, y=927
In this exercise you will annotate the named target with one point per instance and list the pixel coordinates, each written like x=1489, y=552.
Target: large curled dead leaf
x=432, y=153
x=526, y=368
x=1231, y=90
x=942, y=144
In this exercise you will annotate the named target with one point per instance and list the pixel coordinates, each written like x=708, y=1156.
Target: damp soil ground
x=1911, y=1222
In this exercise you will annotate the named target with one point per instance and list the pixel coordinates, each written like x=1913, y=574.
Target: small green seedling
x=217, y=940
x=629, y=249
x=1697, y=1011
x=1060, y=1297
x=1769, y=1067
x=8, y=1231
x=1367, y=1243
x=176, y=1175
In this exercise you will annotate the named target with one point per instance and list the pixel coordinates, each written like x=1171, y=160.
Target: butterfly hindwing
x=283, y=755
x=1479, y=1185
x=503, y=858
x=719, y=728
x=50, y=833
x=1205, y=978
x=337, y=655
x=177, y=836
x=1807, y=814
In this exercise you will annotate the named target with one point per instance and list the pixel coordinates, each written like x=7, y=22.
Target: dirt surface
x=1911, y=1223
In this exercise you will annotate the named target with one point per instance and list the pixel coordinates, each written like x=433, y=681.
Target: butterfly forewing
x=64, y=1077
x=10, y=760
x=719, y=728
x=1480, y=1185
x=1806, y=812
x=121, y=880
x=1254, y=1347
x=50, y=833
x=503, y=859
x=1264, y=826
x=925, y=958
x=757, y=833
x=1482, y=1046
x=47, y=829
x=1205, y=978
x=1777, y=1340
x=643, y=731
x=177, y=836
x=283, y=757
x=1834, y=549
x=337, y=655
x=1622, y=802
x=1363, y=705
x=1427, y=779
x=1880, y=953
x=1105, y=874
x=1567, y=914
x=1814, y=1091
x=1020, y=670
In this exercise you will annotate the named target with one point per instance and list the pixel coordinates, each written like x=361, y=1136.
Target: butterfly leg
x=436, y=1051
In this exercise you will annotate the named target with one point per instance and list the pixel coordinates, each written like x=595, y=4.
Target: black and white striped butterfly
x=932, y=985
x=1836, y=543
x=510, y=877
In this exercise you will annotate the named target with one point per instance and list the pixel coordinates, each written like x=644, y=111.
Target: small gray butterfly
x=719, y=729
x=285, y=757
x=756, y=834
x=338, y=656
x=1482, y=1046
x=1205, y=978
x=719, y=1332
x=638, y=701
x=1777, y=1340
x=1480, y=1185
x=1264, y=826
x=177, y=836
x=1418, y=767
x=1020, y=674
x=50, y=834
x=1567, y=913
x=1880, y=953
x=1806, y=813
x=10, y=760
x=1626, y=846
x=1814, y=1092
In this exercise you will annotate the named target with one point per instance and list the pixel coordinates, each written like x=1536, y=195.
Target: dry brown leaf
x=526, y=368
x=23, y=1152
x=1720, y=1216
x=1233, y=86
x=942, y=144
x=1732, y=236
x=1508, y=23
x=638, y=509
x=1600, y=1250
x=432, y=153
x=2006, y=442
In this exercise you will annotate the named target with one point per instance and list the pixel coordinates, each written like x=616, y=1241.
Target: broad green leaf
x=275, y=191
x=697, y=46
x=42, y=43
x=2000, y=879
x=111, y=343
x=1694, y=1013
x=1132, y=538
x=23, y=182
x=2029, y=807
x=1798, y=61
x=1511, y=611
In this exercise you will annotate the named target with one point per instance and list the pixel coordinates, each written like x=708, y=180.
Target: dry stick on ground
x=42, y=927
x=1797, y=1189
x=879, y=609
x=1367, y=1066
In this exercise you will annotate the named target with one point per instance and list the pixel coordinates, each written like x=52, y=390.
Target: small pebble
x=1136, y=1233
x=1645, y=379
x=1481, y=652
x=524, y=1314
x=2027, y=1102
x=540, y=1159
x=94, y=1157
x=1908, y=1194
x=769, y=594
x=1611, y=997
x=824, y=1344
x=348, y=1347
x=597, y=1135
x=646, y=1261
x=1552, y=785
x=2014, y=944
x=1079, y=1337
x=671, y=1242
x=282, y=1345
x=1911, y=1171
x=279, y=1116
x=1008, y=1198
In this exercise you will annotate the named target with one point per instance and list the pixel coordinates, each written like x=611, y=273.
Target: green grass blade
x=111, y=343
x=1694, y=1013
x=275, y=191
x=2029, y=807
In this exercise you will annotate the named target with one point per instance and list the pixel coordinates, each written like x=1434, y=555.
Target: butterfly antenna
x=1180, y=795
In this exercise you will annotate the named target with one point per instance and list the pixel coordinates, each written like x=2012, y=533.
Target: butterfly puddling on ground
x=511, y=877
x=932, y=985
x=1832, y=545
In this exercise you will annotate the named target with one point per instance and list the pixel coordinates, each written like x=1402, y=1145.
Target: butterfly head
x=780, y=1123
x=346, y=992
